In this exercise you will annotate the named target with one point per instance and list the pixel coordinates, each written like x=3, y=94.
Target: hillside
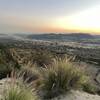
x=29, y=57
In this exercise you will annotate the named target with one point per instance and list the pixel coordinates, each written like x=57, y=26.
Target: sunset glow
x=50, y=16
x=86, y=21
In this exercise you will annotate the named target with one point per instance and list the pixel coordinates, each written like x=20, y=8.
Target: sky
x=49, y=16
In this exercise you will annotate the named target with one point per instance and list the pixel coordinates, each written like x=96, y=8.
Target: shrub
x=7, y=63
x=88, y=87
x=61, y=77
x=42, y=58
x=4, y=71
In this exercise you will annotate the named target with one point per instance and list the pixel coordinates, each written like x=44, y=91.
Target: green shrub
x=61, y=77
x=4, y=70
x=7, y=63
x=42, y=58
x=88, y=87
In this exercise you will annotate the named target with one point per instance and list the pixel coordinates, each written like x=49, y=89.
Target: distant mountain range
x=63, y=37
x=52, y=37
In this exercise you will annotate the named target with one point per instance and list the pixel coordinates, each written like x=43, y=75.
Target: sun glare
x=88, y=20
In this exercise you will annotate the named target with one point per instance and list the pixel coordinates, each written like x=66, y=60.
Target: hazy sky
x=49, y=16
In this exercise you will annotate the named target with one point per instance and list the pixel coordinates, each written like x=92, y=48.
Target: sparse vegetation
x=51, y=77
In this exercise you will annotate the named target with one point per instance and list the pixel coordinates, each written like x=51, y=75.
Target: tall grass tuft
x=61, y=77
x=16, y=93
x=19, y=89
x=29, y=74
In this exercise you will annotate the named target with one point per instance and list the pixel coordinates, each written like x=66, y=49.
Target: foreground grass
x=60, y=78
x=19, y=89
x=50, y=81
x=16, y=93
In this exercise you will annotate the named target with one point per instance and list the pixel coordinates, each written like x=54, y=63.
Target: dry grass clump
x=16, y=93
x=29, y=74
x=18, y=89
x=61, y=77
x=49, y=81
